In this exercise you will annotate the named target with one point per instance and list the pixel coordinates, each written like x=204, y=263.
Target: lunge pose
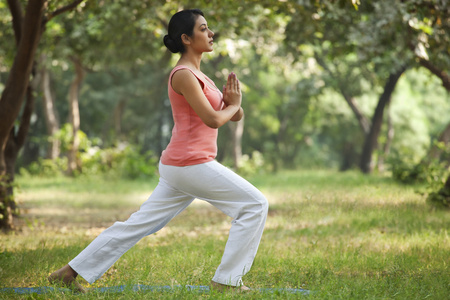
x=188, y=169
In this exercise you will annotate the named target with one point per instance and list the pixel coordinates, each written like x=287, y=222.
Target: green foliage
x=130, y=162
x=430, y=175
x=294, y=58
x=65, y=136
x=433, y=174
x=124, y=161
x=45, y=167
x=430, y=170
x=251, y=165
x=440, y=198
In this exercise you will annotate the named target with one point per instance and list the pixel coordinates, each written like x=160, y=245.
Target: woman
x=187, y=169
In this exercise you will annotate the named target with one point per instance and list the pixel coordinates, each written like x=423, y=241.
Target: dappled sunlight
x=420, y=243
x=88, y=199
x=358, y=198
x=376, y=241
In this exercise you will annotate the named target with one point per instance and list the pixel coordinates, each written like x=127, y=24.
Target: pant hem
x=89, y=279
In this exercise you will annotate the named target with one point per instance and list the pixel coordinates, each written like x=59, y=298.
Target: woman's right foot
x=67, y=277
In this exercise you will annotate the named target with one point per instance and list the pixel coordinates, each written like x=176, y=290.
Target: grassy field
x=339, y=235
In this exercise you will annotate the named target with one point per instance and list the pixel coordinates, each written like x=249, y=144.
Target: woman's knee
x=261, y=206
x=264, y=205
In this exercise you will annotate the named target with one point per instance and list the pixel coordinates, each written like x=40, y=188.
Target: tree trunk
x=28, y=32
x=237, y=129
x=74, y=116
x=387, y=145
x=50, y=113
x=363, y=122
x=371, y=141
x=349, y=156
x=16, y=141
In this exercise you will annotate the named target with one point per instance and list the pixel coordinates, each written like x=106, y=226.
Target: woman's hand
x=232, y=91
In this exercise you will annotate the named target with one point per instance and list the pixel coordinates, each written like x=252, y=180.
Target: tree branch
x=363, y=121
x=15, y=7
x=443, y=76
x=63, y=9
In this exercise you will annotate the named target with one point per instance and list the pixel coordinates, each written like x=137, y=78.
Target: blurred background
x=347, y=84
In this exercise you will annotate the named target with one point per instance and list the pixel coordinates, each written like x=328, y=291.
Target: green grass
x=340, y=235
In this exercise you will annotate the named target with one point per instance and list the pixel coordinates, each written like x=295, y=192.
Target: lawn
x=339, y=235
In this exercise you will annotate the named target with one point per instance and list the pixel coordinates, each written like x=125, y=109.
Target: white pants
x=177, y=188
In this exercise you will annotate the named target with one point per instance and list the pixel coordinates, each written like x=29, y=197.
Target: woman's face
x=202, y=38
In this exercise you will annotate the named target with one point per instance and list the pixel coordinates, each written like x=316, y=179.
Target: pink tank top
x=192, y=142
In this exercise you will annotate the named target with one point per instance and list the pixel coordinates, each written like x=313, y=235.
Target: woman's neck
x=190, y=60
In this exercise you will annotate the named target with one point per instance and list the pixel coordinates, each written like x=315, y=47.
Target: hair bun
x=170, y=44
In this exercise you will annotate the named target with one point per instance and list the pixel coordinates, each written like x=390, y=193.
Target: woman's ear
x=185, y=39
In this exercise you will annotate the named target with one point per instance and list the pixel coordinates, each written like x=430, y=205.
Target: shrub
x=250, y=165
x=125, y=161
x=46, y=167
x=441, y=198
x=431, y=174
x=410, y=173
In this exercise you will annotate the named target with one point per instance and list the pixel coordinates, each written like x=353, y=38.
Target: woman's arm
x=238, y=116
x=186, y=84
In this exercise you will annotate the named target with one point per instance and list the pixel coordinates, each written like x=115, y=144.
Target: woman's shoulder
x=181, y=67
x=184, y=77
x=182, y=72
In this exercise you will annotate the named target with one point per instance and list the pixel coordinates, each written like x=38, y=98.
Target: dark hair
x=182, y=22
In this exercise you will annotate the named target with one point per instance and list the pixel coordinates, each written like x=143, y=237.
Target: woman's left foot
x=67, y=277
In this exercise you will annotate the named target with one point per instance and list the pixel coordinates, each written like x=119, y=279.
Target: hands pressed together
x=232, y=91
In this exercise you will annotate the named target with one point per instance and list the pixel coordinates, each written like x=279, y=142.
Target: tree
x=74, y=117
x=370, y=43
x=28, y=29
x=50, y=112
x=371, y=140
x=430, y=24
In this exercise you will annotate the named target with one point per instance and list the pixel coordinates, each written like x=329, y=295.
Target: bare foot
x=223, y=287
x=67, y=277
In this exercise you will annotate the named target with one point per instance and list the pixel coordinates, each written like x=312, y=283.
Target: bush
x=410, y=173
x=250, y=165
x=432, y=175
x=46, y=167
x=125, y=161
x=137, y=165
x=441, y=198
